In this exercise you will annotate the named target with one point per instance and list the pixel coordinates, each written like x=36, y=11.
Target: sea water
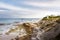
x=11, y=20
x=7, y=21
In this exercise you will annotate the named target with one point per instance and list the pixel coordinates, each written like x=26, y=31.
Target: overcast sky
x=28, y=8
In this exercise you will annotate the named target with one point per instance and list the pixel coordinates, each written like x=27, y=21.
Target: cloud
x=15, y=14
x=51, y=5
x=20, y=12
x=11, y=7
x=2, y=10
x=43, y=4
x=17, y=9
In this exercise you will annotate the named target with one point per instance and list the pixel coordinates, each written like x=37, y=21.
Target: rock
x=50, y=28
x=46, y=29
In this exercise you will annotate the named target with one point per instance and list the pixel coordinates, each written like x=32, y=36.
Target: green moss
x=52, y=17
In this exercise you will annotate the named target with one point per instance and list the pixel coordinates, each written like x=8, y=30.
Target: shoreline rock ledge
x=47, y=28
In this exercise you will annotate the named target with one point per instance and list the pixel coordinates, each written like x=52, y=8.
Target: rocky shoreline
x=47, y=28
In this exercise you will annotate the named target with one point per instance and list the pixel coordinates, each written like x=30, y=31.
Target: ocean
x=12, y=20
x=5, y=22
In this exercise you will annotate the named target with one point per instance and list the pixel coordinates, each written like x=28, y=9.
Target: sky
x=28, y=8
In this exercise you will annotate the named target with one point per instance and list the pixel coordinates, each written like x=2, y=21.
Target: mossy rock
x=51, y=17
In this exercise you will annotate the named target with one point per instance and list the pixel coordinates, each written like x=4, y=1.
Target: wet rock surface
x=46, y=29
